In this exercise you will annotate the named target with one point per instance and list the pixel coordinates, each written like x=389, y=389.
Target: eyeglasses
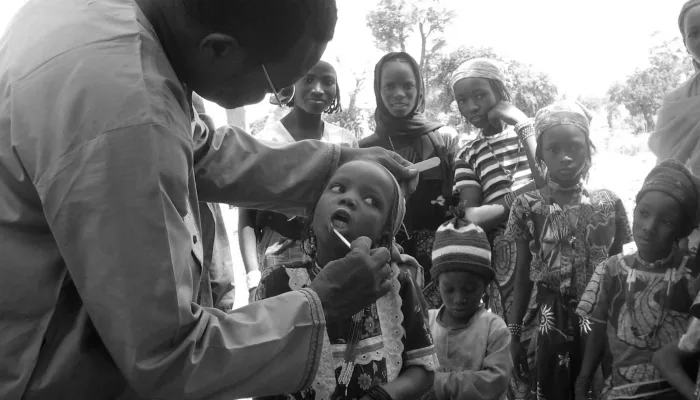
x=269, y=81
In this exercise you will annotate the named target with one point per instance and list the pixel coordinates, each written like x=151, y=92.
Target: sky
x=584, y=46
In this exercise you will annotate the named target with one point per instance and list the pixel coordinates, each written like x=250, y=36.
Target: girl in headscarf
x=403, y=128
x=495, y=167
x=562, y=232
x=268, y=239
x=384, y=351
x=641, y=299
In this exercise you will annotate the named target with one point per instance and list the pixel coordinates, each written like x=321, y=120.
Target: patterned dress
x=391, y=334
x=644, y=310
x=566, y=245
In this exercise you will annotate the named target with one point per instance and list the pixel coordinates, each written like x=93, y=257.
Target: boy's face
x=461, y=293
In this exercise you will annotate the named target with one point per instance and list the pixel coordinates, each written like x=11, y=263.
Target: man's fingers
x=381, y=255
x=398, y=166
x=362, y=244
x=396, y=251
x=384, y=288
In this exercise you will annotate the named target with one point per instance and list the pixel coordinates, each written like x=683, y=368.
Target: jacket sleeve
x=289, y=177
x=115, y=206
x=489, y=383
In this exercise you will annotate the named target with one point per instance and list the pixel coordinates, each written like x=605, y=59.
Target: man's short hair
x=267, y=28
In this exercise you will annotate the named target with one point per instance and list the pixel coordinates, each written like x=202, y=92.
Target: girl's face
x=691, y=26
x=462, y=293
x=656, y=224
x=317, y=89
x=565, y=152
x=357, y=202
x=475, y=99
x=399, y=90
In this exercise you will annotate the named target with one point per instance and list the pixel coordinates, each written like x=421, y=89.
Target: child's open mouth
x=340, y=220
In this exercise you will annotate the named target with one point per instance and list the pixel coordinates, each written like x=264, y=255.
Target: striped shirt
x=477, y=166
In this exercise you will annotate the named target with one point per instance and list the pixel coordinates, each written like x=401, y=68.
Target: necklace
x=415, y=153
x=577, y=188
x=654, y=264
x=509, y=174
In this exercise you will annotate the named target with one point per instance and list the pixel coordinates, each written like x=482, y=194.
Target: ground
x=621, y=163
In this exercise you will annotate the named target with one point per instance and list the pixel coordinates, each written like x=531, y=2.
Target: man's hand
x=251, y=295
x=357, y=280
x=393, y=162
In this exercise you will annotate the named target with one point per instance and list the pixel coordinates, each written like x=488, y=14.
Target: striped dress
x=485, y=163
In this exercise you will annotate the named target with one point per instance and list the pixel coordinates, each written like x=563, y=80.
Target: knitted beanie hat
x=461, y=246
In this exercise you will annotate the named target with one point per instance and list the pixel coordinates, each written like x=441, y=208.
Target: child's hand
x=506, y=112
x=352, y=283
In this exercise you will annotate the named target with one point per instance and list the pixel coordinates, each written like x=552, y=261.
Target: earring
x=308, y=242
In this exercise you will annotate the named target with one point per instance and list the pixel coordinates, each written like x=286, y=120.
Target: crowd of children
x=534, y=286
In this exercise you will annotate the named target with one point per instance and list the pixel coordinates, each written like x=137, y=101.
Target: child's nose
x=349, y=202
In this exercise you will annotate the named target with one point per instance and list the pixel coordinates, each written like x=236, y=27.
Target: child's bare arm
x=489, y=383
x=488, y=216
x=591, y=359
x=411, y=383
x=668, y=360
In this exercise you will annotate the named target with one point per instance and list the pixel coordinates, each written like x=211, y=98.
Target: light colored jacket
x=100, y=236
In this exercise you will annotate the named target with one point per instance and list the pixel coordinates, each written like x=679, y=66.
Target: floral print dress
x=644, y=309
x=566, y=245
x=390, y=335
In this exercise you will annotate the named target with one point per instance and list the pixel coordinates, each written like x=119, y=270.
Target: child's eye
x=371, y=201
x=553, y=149
x=309, y=80
x=643, y=213
x=390, y=86
x=336, y=188
x=479, y=96
x=408, y=86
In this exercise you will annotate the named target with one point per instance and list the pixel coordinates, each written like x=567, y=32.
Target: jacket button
x=194, y=239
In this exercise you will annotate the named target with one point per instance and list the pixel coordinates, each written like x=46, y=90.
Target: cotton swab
x=427, y=164
x=341, y=237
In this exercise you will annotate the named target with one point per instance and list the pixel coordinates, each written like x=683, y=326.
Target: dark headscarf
x=681, y=23
x=674, y=179
x=401, y=130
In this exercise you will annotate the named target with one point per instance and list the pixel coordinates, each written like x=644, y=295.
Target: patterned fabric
x=392, y=334
x=562, y=113
x=478, y=68
x=475, y=361
x=566, y=245
x=644, y=310
x=572, y=240
x=461, y=246
x=481, y=166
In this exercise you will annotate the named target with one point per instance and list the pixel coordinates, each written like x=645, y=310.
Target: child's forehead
x=460, y=278
x=367, y=175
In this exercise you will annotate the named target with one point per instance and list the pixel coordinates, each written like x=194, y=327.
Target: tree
x=353, y=118
x=530, y=89
x=394, y=22
x=593, y=103
x=642, y=92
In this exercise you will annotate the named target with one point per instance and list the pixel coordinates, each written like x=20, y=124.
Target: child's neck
x=655, y=254
x=564, y=197
x=302, y=125
x=325, y=255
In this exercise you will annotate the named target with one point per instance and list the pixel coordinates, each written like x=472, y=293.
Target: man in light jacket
x=101, y=259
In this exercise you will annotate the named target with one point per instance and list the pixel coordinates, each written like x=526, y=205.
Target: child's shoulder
x=494, y=320
x=600, y=196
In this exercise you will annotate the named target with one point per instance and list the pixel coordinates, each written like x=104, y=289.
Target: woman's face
x=357, y=202
x=475, y=98
x=691, y=27
x=315, y=92
x=399, y=88
x=565, y=152
x=656, y=224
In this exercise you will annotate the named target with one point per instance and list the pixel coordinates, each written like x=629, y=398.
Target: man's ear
x=218, y=46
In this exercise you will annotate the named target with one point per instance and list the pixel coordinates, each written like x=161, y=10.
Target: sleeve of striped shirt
x=464, y=173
